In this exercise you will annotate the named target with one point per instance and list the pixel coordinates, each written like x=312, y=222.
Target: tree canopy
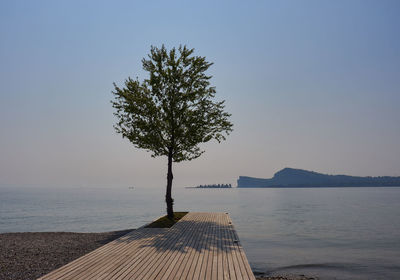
x=173, y=108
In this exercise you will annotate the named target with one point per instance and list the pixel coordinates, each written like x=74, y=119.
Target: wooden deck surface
x=199, y=246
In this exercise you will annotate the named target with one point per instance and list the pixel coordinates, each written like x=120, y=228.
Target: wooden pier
x=199, y=246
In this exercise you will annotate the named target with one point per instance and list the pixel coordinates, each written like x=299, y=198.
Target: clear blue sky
x=310, y=84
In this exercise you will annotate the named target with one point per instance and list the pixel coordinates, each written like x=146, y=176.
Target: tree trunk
x=168, y=198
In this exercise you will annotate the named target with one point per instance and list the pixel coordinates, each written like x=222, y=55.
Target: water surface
x=332, y=233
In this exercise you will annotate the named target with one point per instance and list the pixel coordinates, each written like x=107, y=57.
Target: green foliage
x=165, y=222
x=172, y=111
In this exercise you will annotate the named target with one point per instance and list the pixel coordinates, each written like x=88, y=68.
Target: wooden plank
x=149, y=252
x=174, y=237
x=201, y=262
x=187, y=256
x=220, y=249
x=244, y=260
x=101, y=265
x=210, y=259
x=88, y=258
x=200, y=269
x=233, y=249
x=195, y=261
x=229, y=270
x=166, y=260
x=237, y=253
x=116, y=261
x=177, y=256
x=233, y=269
x=199, y=246
x=207, y=250
x=192, y=250
x=214, y=269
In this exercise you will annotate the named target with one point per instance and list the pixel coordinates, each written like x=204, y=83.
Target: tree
x=172, y=111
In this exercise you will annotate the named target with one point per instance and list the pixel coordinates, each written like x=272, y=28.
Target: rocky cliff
x=292, y=178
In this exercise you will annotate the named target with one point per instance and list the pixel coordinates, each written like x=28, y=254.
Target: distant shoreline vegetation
x=298, y=178
x=213, y=186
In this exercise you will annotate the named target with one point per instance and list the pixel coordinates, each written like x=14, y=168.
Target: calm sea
x=332, y=233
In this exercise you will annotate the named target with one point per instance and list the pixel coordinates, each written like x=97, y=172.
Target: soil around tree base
x=165, y=222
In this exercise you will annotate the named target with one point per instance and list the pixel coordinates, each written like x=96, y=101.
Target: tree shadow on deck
x=186, y=235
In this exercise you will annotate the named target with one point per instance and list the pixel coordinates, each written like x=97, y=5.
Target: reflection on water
x=335, y=233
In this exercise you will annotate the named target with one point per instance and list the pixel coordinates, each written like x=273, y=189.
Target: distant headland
x=213, y=186
x=298, y=178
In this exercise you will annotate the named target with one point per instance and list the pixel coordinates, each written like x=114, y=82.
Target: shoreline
x=30, y=255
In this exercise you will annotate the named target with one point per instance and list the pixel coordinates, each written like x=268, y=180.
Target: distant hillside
x=297, y=178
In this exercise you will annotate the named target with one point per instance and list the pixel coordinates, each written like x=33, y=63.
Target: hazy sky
x=310, y=84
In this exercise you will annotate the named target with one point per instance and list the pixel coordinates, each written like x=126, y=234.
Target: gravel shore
x=300, y=277
x=29, y=255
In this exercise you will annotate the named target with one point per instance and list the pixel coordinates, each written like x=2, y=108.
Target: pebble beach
x=29, y=255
